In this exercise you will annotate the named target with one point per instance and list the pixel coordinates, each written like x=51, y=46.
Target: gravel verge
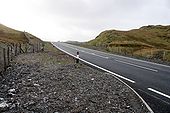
x=50, y=82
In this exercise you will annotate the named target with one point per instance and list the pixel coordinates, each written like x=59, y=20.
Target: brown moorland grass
x=9, y=35
x=151, y=40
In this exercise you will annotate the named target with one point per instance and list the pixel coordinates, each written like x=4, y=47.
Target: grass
x=9, y=35
x=148, y=41
x=48, y=47
x=61, y=58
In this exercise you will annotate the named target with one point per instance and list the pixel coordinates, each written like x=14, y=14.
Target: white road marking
x=154, y=96
x=158, y=92
x=99, y=56
x=94, y=54
x=139, y=60
x=89, y=53
x=129, y=58
x=137, y=65
x=127, y=79
x=115, y=76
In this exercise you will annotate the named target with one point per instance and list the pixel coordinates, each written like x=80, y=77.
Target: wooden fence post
x=42, y=46
x=33, y=48
x=38, y=47
x=164, y=55
x=4, y=58
x=15, y=50
x=19, y=48
x=11, y=53
x=26, y=49
x=8, y=58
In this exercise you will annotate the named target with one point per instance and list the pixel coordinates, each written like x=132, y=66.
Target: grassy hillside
x=9, y=35
x=148, y=41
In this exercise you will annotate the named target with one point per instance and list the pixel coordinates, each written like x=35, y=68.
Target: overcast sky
x=81, y=20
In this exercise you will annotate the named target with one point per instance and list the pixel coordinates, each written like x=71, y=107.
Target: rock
x=10, y=95
x=75, y=99
x=3, y=106
x=29, y=103
x=63, y=88
x=92, y=79
x=109, y=102
x=11, y=90
x=36, y=85
x=1, y=99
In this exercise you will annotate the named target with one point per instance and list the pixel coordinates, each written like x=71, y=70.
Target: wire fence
x=9, y=51
x=152, y=54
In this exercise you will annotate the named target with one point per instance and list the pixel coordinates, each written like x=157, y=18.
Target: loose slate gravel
x=46, y=83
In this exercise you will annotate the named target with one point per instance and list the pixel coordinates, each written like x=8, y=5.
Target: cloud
x=81, y=19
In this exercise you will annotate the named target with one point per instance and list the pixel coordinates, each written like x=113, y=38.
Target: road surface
x=149, y=80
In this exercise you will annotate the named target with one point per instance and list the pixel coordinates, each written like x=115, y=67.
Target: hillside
x=9, y=35
x=148, y=41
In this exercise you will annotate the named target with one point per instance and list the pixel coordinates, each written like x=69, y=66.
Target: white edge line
x=158, y=92
x=139, y=60
x=154, y=70
x=98, y=66
x=154, y=96
x=125, y=57
x=89, y=53
x=150, y=110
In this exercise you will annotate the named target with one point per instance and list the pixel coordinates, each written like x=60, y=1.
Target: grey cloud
x=97, y=15
x=94, y=8
x=94, y=13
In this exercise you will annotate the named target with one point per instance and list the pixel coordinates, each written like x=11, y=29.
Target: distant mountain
x=145, y=40
x=9, y=35
x=74, y=42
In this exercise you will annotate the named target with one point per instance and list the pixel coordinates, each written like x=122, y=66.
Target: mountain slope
x=145, y=41
x=9, y=35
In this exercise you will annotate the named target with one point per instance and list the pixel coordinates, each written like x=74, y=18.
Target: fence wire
x=9, y=51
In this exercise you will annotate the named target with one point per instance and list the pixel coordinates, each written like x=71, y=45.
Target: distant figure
x=77, y=57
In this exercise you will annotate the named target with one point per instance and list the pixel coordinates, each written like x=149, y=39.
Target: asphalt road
x=150, y=80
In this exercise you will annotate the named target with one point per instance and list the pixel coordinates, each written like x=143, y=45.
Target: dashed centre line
x=117, y=75
x=158, y=92
x=90, y=53
x=150, y=69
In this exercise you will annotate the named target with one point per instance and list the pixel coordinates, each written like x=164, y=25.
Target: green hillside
x=148, y=41
x=9, y=35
